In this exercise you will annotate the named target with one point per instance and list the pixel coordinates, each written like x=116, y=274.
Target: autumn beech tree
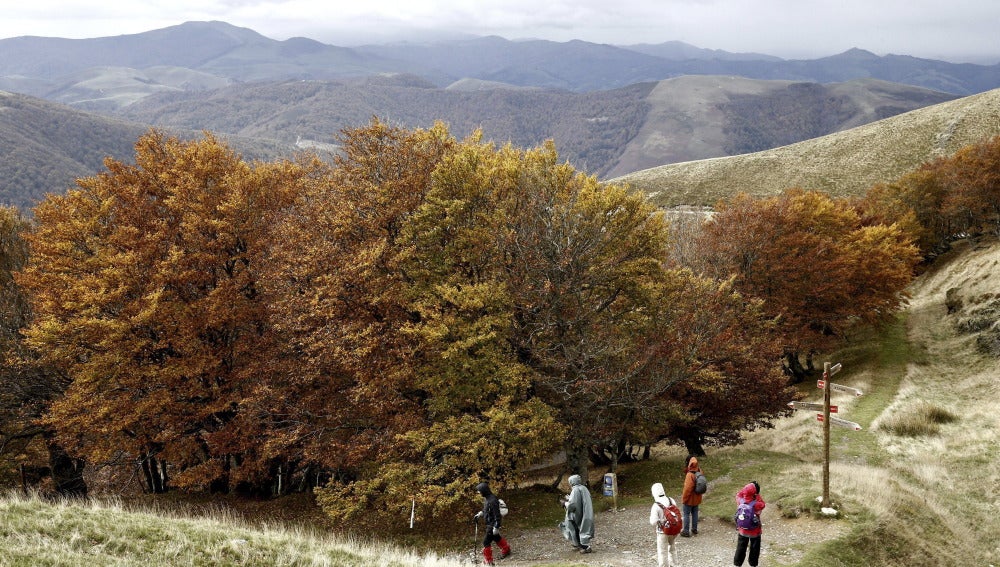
x=338, y=303
x=467, y=318
x=704, y=369
x=973, y=178
x=813, y=262
x=27, y=387
x=144, y=286
x=916, y=202
x=557, y=264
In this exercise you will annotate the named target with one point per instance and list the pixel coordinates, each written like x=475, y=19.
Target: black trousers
x=490, y=537
x=742, y=542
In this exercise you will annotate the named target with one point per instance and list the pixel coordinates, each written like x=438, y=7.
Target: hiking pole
x=475, y=543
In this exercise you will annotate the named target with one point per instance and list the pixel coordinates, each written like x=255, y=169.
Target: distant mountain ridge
x=49, y=67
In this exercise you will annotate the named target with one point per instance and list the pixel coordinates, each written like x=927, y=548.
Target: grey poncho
x=578, y=527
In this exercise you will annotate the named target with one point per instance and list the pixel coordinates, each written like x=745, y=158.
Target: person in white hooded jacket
x=666, y=528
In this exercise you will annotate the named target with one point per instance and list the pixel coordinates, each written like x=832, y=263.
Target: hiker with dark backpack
x=694, y=487
x=666, y=517
x=492, y=516
x=749, y=505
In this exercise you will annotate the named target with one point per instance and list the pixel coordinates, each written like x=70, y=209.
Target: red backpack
x=672, y=522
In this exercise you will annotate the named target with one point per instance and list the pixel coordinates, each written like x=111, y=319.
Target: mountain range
x=612, y=110
x=199, y=55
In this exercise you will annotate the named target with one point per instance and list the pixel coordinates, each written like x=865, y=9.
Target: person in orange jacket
x=748, y=524
x=690, y=499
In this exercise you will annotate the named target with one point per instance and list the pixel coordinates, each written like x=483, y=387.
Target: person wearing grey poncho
x=578, y=527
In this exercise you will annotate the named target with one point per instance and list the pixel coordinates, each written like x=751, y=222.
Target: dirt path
x=625, y=538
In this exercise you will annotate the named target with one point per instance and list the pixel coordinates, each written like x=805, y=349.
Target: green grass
x=35, y=533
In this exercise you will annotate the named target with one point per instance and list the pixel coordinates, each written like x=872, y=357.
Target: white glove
x=478, y=515
x=496, y=530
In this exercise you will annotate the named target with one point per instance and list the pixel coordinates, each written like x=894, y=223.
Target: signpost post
x=826, y=434
x=827, y=419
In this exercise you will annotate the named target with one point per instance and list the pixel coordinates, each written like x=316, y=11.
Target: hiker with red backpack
x=749, y=505
x=666, y=517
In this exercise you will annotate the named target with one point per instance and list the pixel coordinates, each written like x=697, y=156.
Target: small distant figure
x=578, y=527
x=665, y=515
x=690, y=498
x=748, y=507
x=492, y=518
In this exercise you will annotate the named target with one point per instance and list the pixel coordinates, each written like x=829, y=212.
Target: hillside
x=607, y=133
x=699, y=117
x=46, y=146
x=842, y=164
x=39, y=532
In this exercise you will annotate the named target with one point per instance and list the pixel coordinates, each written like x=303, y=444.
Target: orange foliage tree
x=974, y=180
x=813, y=262
x=26, y=386
x=144, y=284
x=943, y=199
x=711, y=365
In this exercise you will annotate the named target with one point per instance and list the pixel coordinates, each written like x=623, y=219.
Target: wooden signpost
x=827, y=419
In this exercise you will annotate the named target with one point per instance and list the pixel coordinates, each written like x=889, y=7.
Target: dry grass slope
x=842, y=164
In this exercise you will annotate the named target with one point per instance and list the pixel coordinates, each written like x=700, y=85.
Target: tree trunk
x=147, y=474
x=578, y=459
x=693, y=440
x=67, y=472
x=793, y=367
x=155, y=473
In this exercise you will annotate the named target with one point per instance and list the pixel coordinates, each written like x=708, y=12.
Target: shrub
x=919, y=420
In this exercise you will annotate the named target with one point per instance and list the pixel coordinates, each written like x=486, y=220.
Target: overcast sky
x=953, y=30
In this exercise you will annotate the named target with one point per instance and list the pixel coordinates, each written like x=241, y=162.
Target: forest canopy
x=422, y=314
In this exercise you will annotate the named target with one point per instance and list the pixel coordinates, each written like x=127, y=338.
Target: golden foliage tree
x=144, y=283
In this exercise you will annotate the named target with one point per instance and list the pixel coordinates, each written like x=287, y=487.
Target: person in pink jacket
x=749, y=505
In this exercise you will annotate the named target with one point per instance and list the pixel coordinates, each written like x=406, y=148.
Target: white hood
x=659, y=495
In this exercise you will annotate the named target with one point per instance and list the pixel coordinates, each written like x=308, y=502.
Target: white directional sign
x=840, y=422
x=810, y=406
x=838, y=387
x=847, y=389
